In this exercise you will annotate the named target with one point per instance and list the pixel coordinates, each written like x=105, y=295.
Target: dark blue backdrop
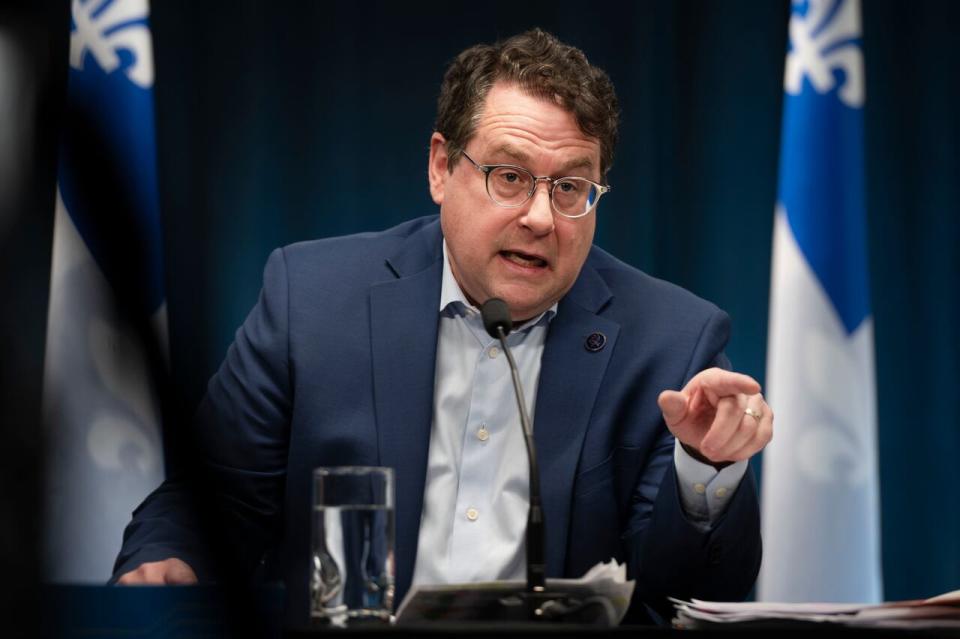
x=279, y=122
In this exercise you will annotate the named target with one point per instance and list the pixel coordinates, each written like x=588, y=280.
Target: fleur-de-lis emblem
x=121, y=435
x=830, y=446
x=104, y=27
x=823, y=41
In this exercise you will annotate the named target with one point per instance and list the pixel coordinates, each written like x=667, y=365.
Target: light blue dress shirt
x=476, y=494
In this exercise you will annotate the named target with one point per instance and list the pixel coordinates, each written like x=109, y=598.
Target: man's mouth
x=524, y=259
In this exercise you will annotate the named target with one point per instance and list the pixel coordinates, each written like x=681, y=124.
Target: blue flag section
x=106, y=330
x=820, y=489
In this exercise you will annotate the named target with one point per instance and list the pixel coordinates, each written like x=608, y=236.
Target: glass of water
x=351, y=558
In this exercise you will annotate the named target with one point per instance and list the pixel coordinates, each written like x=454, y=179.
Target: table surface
x=208, y=611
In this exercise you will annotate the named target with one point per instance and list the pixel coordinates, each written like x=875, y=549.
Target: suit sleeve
x=220, y=510
x=672, y=556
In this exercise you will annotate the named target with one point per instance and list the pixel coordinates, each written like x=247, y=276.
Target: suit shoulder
x=358, y=246
x=635, y=291
x=347, y=264
x=356, y=257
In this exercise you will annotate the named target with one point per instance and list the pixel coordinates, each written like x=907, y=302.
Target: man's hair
x=542, y=67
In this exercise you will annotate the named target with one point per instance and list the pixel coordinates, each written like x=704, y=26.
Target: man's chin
x=525, y=310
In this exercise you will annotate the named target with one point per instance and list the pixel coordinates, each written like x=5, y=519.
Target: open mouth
x=524, y=259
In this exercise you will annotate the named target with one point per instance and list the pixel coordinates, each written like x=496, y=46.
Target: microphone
x=497, y=322
x=496, y=316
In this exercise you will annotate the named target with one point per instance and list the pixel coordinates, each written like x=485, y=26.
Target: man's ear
x=438, y=167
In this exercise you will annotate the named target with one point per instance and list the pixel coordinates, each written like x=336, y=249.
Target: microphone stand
x=536, y=563
x=535, y=601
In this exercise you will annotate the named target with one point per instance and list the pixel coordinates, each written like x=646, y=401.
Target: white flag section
x=101, y=410
x=820, y=489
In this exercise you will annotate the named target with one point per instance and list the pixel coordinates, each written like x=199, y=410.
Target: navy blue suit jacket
x=335, y=366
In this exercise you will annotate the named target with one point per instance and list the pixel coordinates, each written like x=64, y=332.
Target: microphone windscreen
x=496, y=313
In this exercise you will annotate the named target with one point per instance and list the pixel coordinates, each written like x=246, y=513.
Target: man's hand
x=158, y=573
x=720, y=415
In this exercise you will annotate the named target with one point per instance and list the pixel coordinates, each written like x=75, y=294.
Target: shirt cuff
x=705, y=491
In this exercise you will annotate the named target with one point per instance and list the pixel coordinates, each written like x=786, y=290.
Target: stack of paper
x=942, y=611
x=605, y=582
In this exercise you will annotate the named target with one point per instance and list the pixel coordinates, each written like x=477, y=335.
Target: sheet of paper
x=942, y=611
x=462, y=601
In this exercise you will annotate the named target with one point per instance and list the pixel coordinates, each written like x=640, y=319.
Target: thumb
x=673, y=405
x=179, y=572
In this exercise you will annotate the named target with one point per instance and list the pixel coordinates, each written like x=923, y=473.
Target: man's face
x=528, y=256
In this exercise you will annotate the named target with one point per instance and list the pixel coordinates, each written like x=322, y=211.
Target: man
x=369, y=350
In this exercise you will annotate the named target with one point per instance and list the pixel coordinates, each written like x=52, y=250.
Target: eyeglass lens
x=511, y=186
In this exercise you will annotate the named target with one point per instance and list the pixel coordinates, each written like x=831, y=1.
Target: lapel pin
x=596, y=342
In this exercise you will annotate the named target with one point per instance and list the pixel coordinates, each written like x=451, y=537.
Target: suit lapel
x=570, y=378
x=403, y=337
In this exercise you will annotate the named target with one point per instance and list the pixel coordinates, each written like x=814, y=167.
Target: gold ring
x=757, y=415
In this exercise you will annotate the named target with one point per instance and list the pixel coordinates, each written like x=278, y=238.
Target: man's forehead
x=512, y=122
x=521, y=157
x=506, y=98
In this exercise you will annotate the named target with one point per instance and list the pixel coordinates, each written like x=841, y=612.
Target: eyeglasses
x=511, y=186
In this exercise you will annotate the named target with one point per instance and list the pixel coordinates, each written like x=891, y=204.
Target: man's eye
x=568, y=187
x=510, y=177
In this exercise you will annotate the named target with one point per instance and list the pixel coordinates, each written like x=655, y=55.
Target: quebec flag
x=820, y=481
x=106, y=330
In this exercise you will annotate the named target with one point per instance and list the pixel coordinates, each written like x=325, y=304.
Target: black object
x=497, y=322
x=596, y=342
x=496, y=317
x=34, y=49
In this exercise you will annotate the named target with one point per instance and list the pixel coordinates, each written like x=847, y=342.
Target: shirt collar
x=453, y=300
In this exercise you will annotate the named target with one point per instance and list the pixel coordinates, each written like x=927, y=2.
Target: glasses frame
x=488, y=169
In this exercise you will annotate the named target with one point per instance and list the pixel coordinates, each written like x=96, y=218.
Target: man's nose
x=538, y=216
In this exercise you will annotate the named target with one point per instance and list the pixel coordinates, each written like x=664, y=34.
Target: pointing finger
x=723, y=383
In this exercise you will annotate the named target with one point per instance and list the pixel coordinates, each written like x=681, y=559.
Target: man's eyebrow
x=521, y=158
x=513, y=152
x=577, y=163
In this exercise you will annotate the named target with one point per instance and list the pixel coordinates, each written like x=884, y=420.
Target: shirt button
x=483, y=434
x=493, y=352
x=472, y=514
x=699, y=488
x=721, y=493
